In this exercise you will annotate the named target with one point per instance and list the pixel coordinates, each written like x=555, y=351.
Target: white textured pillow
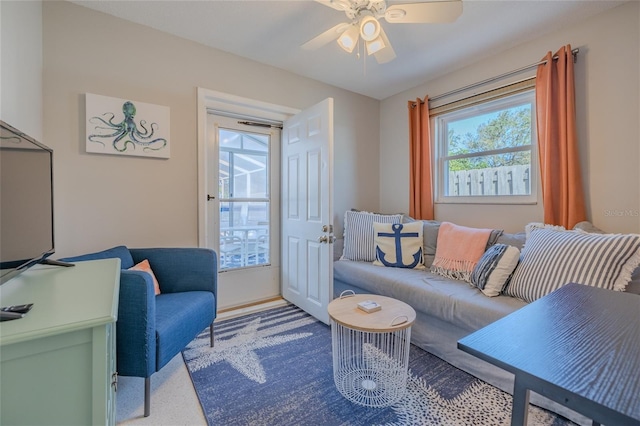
x=550, y=259
x=358, y=234
x=399, y=245
x=494, y=269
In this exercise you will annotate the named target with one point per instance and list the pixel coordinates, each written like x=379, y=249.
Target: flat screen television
x=26, y=202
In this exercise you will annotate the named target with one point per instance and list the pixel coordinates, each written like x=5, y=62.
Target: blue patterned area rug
x=275, y=368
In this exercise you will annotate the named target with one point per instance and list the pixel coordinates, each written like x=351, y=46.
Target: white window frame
x=440, y=122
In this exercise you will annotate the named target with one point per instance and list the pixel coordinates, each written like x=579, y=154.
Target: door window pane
x=244, y=199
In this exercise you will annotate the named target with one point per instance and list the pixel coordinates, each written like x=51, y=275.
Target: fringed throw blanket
x=458, y=250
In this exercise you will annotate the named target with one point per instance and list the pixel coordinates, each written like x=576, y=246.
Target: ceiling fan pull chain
x=364, y=63
x=364, y=58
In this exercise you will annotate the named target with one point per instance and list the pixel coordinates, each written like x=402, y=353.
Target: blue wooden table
x=578, y=346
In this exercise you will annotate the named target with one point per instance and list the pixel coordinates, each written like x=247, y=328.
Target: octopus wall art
x=113, y=127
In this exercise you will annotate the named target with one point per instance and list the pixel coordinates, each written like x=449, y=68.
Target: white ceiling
x=271, y=32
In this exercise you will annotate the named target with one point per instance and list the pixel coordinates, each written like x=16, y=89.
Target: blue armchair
x=151, y=329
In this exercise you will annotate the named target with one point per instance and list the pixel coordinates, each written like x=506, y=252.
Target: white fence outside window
x=497, y=181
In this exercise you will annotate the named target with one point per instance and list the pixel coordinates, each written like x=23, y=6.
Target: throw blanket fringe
x=454, y=269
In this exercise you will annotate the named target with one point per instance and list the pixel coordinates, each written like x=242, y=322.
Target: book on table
x=369, y=306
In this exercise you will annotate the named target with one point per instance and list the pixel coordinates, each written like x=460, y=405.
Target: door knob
x=323, y=239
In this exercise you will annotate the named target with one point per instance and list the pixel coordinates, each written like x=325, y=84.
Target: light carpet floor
x=173, y=399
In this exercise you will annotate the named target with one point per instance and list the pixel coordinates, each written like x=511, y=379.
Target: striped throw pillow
x=358, y=234
x=494, y=269
x=551, y=258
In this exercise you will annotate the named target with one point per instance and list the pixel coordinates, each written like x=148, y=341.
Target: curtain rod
x=574, y=52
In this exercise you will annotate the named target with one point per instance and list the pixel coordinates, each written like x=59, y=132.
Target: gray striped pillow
x=358, y=234
x=551, y=259
x=494, y=269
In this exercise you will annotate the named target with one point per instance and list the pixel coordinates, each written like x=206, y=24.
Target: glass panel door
x=243, y=192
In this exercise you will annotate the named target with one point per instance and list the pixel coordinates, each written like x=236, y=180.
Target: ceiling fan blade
x=335, y=4
x=326, y=37
x=387, y=54
x=420, y=13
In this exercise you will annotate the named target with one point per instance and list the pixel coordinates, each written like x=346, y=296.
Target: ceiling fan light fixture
x=375, y=45
x=348, y=39
x=369, y=28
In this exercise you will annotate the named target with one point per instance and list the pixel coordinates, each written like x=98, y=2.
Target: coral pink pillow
x=458, y=251
x=145, y=267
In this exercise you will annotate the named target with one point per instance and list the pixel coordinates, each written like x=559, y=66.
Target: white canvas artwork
x=126, y=127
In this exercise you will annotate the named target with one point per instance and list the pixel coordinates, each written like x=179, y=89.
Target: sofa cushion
x=494, y=269
x=399, y=245
x=179, y=318
x=430, y=230
x=358, y=234
x=449, y=300
x=587, y=226
x=516, y=240
x=552, y=258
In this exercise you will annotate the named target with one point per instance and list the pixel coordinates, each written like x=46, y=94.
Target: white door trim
x=211, y=99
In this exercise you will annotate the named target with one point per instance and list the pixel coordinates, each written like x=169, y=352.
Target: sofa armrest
x=181, y=269
x=136, y=328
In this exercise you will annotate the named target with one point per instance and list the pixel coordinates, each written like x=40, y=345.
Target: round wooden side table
x=370, y=350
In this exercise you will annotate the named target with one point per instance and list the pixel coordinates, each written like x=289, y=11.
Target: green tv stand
x=58, y=363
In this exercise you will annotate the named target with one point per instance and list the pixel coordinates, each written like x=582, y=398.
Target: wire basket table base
x=370, y=368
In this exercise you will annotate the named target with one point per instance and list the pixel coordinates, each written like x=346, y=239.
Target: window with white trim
x=486, y=150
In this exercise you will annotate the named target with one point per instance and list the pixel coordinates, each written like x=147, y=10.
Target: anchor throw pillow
x=399, y=245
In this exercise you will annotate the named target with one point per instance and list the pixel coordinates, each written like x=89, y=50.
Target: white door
x=243, y=209
x=307, y=219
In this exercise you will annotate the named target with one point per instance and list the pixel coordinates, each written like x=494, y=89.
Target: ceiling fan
x=364, y=22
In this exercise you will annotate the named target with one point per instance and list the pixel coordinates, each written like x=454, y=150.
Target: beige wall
x=607, y=96
x=104, y=200
x=21, y=66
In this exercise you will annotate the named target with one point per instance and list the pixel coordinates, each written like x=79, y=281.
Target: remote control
x=8, y=316
x=21, y=309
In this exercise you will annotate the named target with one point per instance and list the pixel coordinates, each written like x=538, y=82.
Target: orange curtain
x=420, y=187
x=562, y=193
